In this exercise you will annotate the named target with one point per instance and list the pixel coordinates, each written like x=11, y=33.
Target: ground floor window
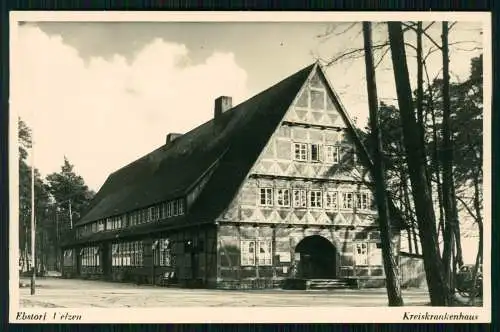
x=361, y=253
x=256, y=252
x=165, y=252
x=264, y=254
x=68, y=257
x=247, y=253
x=90, y=257
x=127, y=254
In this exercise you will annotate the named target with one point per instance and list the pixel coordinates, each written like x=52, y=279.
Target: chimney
x=222, y=104
x=172, y=136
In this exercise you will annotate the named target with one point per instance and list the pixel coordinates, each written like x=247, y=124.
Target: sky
x=106, y=93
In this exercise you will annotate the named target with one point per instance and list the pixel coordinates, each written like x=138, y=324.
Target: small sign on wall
x=285, y=257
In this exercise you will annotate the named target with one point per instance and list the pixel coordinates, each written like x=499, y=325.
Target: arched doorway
x=318, y=258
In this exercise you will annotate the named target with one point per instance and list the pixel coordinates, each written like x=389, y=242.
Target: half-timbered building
x=267, y=192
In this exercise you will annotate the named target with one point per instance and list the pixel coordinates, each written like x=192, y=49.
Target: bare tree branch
x=427, y=27
x=381, y=57
x=467, y=207
x=425, y=34
x=352, y=54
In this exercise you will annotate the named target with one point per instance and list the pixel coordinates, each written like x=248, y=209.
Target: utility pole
x=33, y=275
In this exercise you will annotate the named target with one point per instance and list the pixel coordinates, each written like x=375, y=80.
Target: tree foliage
x=52, y=202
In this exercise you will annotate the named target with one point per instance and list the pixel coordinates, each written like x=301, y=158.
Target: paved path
x=73, y=293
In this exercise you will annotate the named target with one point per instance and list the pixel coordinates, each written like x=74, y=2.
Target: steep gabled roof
x=231, y=146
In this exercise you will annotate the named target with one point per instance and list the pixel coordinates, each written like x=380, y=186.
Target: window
x=181, y=207
x=156, y=213
x=354, y=157
x=362, y=201
x=175, y=205
x=300, y=151
x=90, y=257
x=163, y=210
x=283, y=197
x=361, y=253
x=247, y=253
x=165, y=252
x=315, y=198
x=266, y=196
x=347, y=200
x=115, y=254
x=264, y=257
x=96, y=256
x=315, y=152
x=331, y=200
x=127, y=254
x=169, y=209
x=100, y=226
x=332, y=154
x=68, y=255
x=136, y=253
x=299, y=198
x=133, y=218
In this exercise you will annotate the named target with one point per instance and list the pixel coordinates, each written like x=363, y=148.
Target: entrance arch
x=318, y=258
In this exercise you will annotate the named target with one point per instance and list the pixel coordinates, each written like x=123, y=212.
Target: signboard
x=285, y=257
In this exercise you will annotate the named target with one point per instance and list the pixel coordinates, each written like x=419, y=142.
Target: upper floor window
x=315, y=198
x=266, y=196
x=283, y=197
x=175, y=208
x=332, y=154
x=300, y=151
x=299, y=198
x=347, y=201
x=362, y=201
x=181, y=206
x=315, y=152
x=169, y=209
x=133, y=218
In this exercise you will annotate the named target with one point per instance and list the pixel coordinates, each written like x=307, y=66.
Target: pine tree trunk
x=420, y=101
x=438, y=287
x=449, y=202
x=390, y=265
